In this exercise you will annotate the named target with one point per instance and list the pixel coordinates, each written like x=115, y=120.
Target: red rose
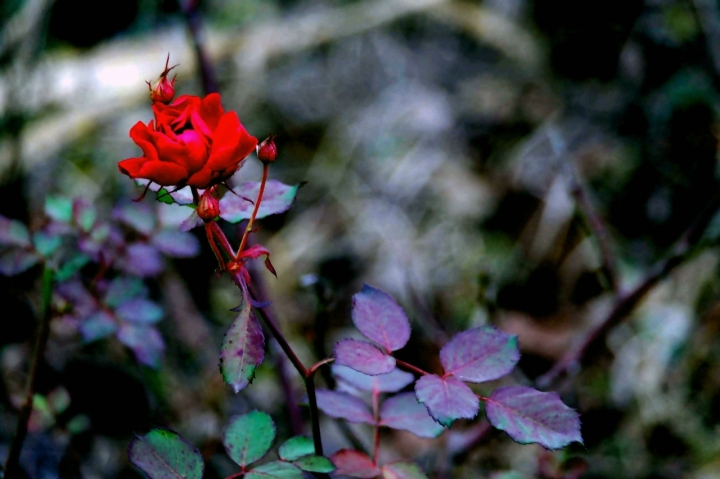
x=192, y=142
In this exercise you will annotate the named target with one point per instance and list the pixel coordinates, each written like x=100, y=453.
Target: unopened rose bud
x=163, y=89
x=267, y=151
x=208, y=207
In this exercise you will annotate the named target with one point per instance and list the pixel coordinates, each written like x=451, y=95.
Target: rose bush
x=192, y=142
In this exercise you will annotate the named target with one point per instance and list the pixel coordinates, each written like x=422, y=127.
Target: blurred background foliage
x=445, y=144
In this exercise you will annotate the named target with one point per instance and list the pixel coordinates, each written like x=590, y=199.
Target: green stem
x=12, y=463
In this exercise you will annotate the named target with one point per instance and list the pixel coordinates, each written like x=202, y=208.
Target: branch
x=685, y=248
x=192, y=18
x=12, y=462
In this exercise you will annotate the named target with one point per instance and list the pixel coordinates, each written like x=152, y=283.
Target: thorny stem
x=410, y=367
x=11, y=464
x=249, y=227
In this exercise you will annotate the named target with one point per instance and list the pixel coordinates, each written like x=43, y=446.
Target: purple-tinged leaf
x=190, y=222
x=16, y=260
x=142, y=259
x=139, y=310
x=277, y=198
x=163, y=454
x=123, y=289
x=529, y=416
x=176, y=244
x=354, y=464
x=480, y=354
x=97, y=326
x=13, y=233
x=391, y=382
x=343, y=406
x=403, y=411
x=380, y=318
x=402, y=470
x=363, y=357
x=243, y=349
x=145, y=341
x=138, y=216
x=446, y=399
x=275, y=470
x=315, y=464
x=79, y=297
x=59, y=209
x=296, y=447
x=248, y=437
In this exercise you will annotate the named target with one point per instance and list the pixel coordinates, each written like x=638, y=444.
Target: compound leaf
x=391, y=382
x=350, y=462
x=341, y=405
x=277, y=198
x=295, y=448
x=243, y=349
x=403, y=411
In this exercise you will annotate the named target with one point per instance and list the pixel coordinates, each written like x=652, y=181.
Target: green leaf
x=402, y=470
x=59, y=209
x=296, y=447
x=46, y=244
x=163, y=454
x=315, y=464
x=275, y=469
x=163, y=196
x=248, y=437
x=84, y=213
x=71, y=266
x=123, y=289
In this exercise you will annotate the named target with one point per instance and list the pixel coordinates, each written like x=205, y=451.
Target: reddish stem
x=224, y=243
x=248, y=229
x=235, y=476
x=213, y=245
x=410, y=367
x=313, y=369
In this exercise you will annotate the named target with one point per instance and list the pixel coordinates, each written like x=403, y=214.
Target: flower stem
x=248, y=229
x=313, y=369
x=224, y=243
x=213, y=245
x=12, y=462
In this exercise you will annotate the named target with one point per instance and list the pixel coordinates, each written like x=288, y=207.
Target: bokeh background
x=457, y=154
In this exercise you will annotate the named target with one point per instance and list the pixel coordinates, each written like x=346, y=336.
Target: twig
x=597, y=227
x=207, y=74
x=626, y=303
x=12, y=462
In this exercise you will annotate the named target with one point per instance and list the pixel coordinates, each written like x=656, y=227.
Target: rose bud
x=209, y=207
x=163, y=89
x=267, y=151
